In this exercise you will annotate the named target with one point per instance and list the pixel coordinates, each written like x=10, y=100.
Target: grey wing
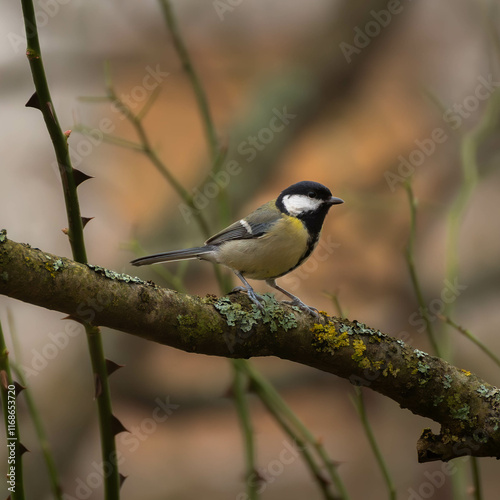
x=253, y=226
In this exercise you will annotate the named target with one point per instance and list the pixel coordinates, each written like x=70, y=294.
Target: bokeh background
x=368, y=89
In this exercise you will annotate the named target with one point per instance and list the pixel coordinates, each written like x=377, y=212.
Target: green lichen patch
x=375, y=335
x=420, y=354
x=424, y=370
x=486, y=393
x=448, y=379
x=458, y=409
x=3, y=235
x=4, y=276
x=437, y=400
x=113, y=275
x=461, y=413
x=272, y=314
x=235, y=315
x=345, y=328
x=53, y=265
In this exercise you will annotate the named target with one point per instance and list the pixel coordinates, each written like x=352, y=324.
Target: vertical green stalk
x=476, y=478
x=9, y=402
x=410, y=260
x=217, y=154
x=240, y=383
x=188, y=67
x=43, y=101
x=360, y=407
x=35, y=416
x=295, y=428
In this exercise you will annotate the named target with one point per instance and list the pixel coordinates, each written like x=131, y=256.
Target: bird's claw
x=297, y=302
x=254, y=297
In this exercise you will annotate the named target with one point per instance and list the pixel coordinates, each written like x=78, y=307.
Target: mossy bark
x=467, y=407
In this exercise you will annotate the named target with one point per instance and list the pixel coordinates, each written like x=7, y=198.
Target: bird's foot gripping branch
x=467, y=407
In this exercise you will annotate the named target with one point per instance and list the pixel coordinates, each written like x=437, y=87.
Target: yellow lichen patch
x=389, y=369
x=327, y=339
x=364, y=363
x=359, y=349
x=467, y=373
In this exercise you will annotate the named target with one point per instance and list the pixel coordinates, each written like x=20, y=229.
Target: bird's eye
x=311, y=194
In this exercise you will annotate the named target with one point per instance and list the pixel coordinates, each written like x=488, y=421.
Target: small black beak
x=334, y=201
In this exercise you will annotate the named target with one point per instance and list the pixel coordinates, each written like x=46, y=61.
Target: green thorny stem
x=43, y=101
x=12, y=434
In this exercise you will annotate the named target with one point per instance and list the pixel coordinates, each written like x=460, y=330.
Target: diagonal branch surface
x=467, y=407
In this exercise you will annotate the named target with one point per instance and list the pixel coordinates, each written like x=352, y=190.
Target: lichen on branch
x=467, y=407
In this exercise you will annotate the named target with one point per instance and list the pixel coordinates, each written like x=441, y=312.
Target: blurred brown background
x=362, y=81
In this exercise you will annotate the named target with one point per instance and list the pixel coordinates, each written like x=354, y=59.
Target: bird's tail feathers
x=187, y=253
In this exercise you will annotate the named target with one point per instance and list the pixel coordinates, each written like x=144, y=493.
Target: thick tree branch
x=467, y=408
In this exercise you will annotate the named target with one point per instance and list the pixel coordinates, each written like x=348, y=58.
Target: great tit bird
x=267, y=244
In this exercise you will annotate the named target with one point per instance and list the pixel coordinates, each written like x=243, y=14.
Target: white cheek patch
x=296, y=204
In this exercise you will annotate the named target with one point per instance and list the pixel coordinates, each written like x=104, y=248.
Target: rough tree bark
x=467, y=407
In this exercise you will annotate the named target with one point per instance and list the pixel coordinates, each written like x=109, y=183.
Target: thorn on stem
x=122, y=479
x=117, y=426
x=80, y=176
x=33, y=102
x=86, y=220
x=111, y=366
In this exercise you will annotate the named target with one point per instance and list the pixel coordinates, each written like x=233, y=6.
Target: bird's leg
x=295, y=300
x=249, y=290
